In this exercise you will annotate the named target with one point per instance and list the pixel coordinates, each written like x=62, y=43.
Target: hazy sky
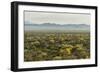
x=60, y=18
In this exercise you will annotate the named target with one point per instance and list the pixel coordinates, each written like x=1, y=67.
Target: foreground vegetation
x=41, y=46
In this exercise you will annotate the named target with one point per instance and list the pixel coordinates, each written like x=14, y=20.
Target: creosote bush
x=41, y=46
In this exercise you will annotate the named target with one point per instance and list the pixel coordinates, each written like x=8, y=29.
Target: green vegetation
x=41, y=46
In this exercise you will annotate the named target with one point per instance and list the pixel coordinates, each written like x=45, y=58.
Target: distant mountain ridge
x=54, y=26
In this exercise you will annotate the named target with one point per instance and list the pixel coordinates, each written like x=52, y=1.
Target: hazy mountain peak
x=54, y=26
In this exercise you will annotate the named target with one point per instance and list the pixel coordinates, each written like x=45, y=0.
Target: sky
x=56, y=17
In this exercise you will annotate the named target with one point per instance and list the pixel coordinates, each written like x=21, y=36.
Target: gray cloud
x=52, y=17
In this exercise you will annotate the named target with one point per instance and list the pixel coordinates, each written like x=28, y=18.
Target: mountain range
x=54, y=26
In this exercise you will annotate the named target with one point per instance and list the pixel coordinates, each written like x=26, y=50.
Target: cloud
x=61, y=18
